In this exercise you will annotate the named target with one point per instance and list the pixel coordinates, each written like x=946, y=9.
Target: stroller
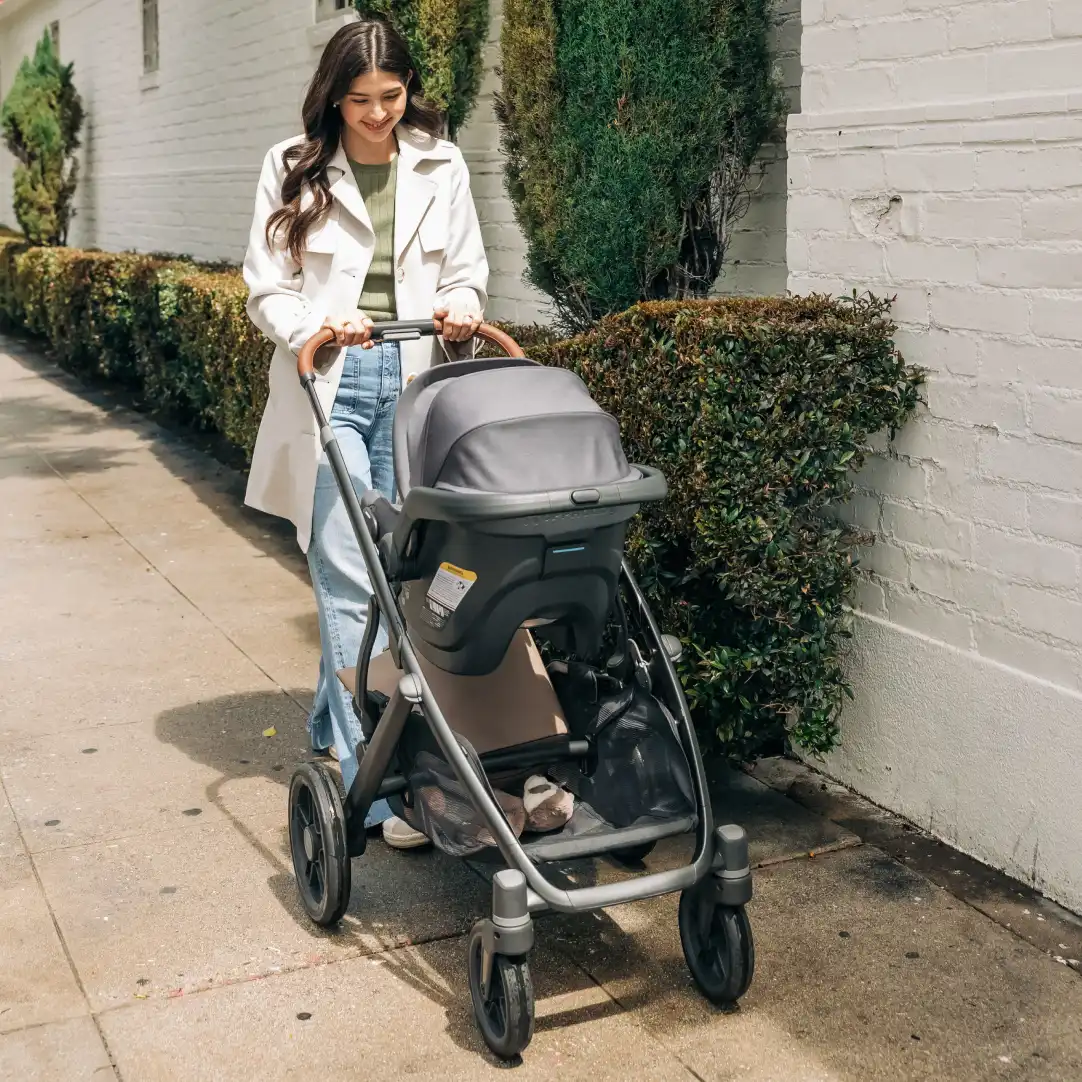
x=514, y=498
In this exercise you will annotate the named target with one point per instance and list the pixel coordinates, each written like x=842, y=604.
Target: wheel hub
x=311, y=847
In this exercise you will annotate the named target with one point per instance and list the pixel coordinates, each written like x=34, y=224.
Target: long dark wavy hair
x=356, y=49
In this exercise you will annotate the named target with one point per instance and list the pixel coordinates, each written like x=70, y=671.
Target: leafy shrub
x=756, y=411
x=630, y=129
x=217, y=338
x=40, y=122
x=35, y=281
x=447, y=40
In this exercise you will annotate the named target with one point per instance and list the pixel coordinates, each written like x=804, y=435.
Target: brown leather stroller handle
x=494, y=337
x=325, y=335
x=306, y=359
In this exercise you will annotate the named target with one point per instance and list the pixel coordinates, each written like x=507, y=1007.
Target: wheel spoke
x=303, y=807
x=496, y=1007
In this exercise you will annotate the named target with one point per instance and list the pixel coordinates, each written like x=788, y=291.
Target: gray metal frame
x=540, y=894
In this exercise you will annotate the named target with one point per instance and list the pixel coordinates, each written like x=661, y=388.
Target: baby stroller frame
x=327, y=831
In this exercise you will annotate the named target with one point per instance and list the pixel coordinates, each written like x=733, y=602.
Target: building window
x=54, y=33
x=150, y=36
x=325, y=9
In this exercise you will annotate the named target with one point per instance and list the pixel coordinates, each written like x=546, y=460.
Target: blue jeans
x=362, y=419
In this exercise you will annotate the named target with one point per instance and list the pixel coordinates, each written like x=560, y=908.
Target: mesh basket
x=441, y=807
x=640, y=772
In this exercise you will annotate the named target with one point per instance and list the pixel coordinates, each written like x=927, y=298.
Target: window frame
x=152, y=56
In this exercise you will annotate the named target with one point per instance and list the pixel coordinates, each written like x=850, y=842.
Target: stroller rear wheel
x=718, y=944
x=317, y=840
x=505, y=1014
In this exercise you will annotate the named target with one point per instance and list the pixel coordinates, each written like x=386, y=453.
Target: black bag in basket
x=639, y=769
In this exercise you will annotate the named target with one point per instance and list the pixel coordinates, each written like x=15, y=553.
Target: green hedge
x=172, y=330
x=757, y=411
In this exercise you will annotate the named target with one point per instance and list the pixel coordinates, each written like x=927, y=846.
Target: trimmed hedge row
x=756, y=410
x=172, y=330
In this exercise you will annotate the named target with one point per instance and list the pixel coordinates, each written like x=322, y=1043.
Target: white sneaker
x=398, y=834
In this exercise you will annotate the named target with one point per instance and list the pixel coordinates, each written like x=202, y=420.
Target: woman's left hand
x=458, y=326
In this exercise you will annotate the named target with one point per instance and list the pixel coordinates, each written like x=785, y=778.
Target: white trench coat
x=439, y=261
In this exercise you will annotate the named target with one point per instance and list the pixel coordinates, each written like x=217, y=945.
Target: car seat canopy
x=512, y=430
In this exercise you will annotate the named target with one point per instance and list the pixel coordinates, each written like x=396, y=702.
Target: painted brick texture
x=939, y=157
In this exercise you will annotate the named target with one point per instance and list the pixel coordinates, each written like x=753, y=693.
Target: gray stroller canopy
x=511, y=430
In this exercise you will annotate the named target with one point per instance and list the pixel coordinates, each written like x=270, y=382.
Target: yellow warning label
x=450, y=585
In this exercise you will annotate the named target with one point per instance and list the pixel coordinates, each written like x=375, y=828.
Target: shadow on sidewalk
x=209, y=466
x=416, y=899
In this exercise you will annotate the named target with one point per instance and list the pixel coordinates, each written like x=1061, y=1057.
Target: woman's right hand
x=353, y=329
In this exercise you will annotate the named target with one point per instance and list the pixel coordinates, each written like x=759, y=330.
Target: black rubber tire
x=321, y=865
x=506, y=1018
x=721, y=958
x=634, y=854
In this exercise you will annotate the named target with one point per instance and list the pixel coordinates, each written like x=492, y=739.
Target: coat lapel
x=413, y=196
x=344, y=188
x=416, y=190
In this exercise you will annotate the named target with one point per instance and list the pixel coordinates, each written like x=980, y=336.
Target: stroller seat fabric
x=474, y=443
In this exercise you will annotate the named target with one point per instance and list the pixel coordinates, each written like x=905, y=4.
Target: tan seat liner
x=513, y=705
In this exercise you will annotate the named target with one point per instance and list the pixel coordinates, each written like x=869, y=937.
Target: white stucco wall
x=170, y=163
x=938, y=157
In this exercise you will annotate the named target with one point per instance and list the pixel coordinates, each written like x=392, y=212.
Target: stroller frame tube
x=413, y=687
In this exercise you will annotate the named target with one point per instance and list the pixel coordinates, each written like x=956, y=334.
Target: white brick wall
x=172, y=167
x=939, y=158
x=232, y=76
x=511, y=299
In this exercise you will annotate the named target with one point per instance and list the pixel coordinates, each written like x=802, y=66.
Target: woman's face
x=373, y=105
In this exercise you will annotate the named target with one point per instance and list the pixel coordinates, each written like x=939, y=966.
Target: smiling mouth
x=376, y=127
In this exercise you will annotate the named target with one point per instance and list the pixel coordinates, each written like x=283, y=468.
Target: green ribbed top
x=377, y=185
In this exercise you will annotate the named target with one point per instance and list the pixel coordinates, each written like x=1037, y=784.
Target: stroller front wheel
x=505, y=1015
x=718, y=945
x=317, y=840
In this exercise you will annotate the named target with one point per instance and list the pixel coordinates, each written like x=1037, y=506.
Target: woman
x=368, y=217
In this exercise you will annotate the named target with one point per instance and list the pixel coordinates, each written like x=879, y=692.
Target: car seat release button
x=586, y=495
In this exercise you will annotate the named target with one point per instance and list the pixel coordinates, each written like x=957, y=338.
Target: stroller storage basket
x=634, y=781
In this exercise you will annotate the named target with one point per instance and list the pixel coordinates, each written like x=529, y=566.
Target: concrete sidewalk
x=151, y=630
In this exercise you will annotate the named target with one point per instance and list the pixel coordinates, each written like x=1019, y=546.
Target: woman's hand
x=354, y=329
x=458, y=326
